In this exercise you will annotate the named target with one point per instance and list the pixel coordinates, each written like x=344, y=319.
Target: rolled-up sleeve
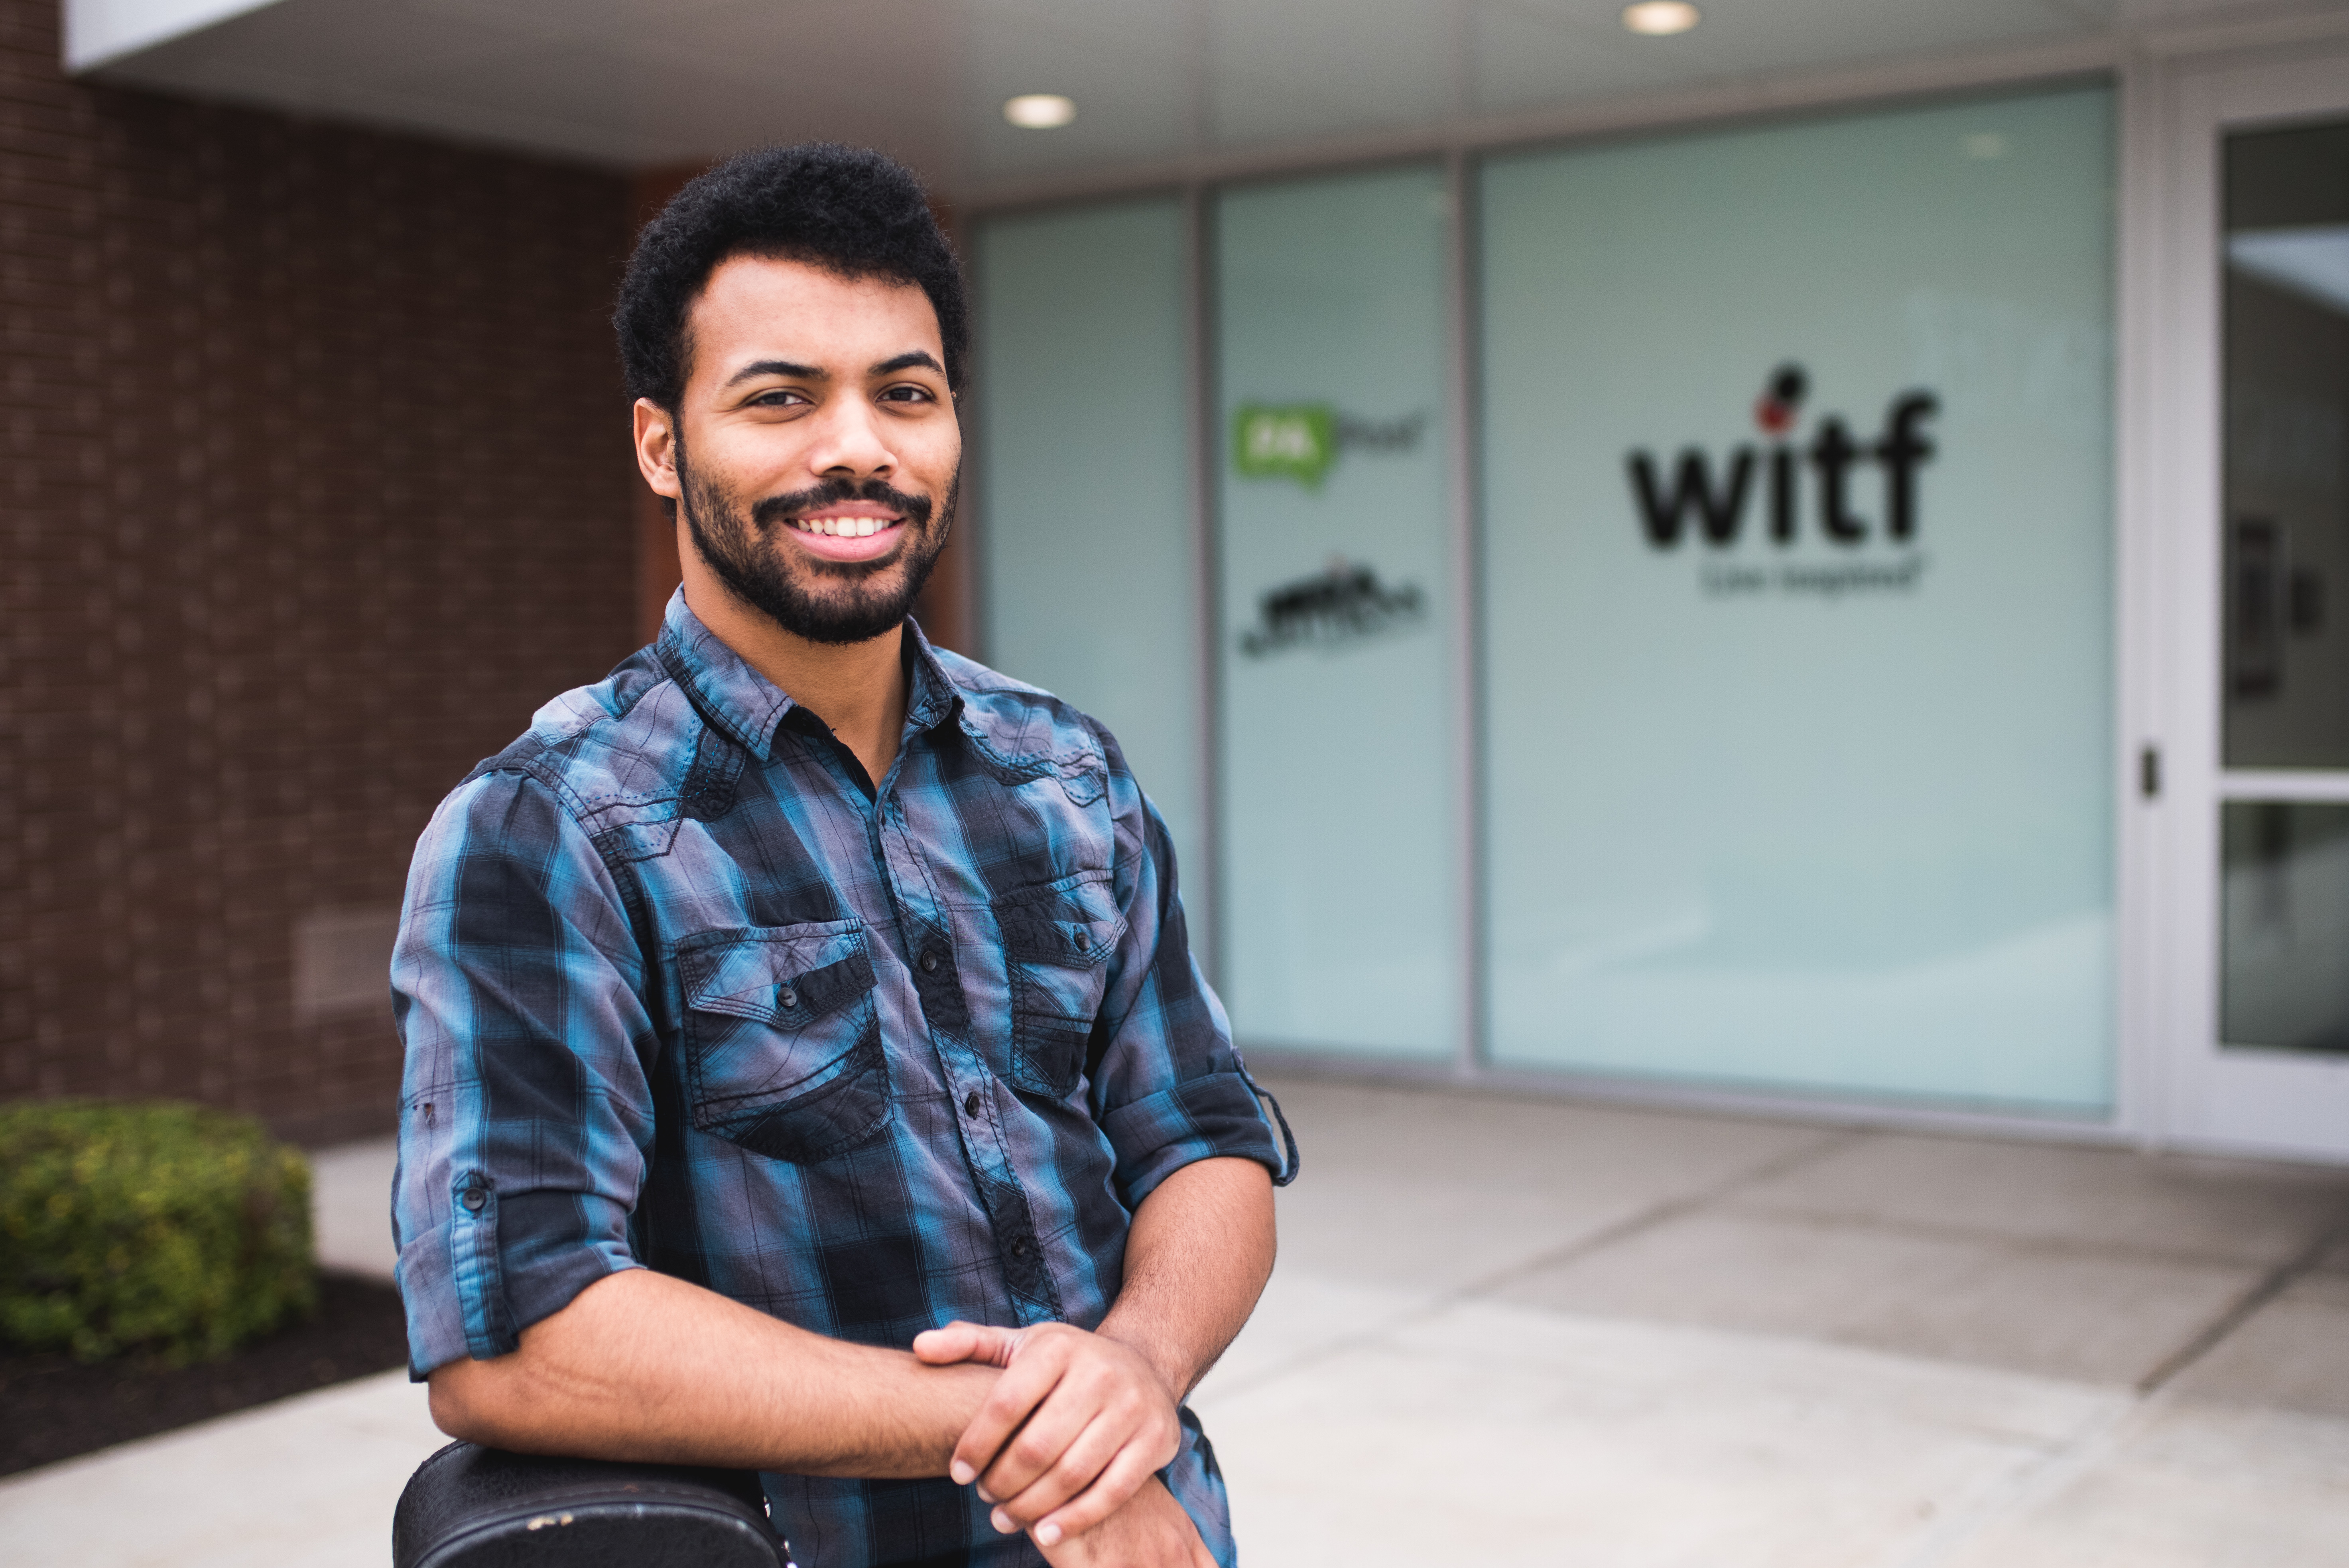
x=525, y=1108
x=1169, y=1087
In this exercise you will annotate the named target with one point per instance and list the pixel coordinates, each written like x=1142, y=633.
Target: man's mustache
x=778, y=509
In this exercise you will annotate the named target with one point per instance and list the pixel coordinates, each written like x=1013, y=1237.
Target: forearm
x=1196, y=1258
x=643, y=1366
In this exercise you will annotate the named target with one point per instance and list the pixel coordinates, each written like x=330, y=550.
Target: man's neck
x=859, y=689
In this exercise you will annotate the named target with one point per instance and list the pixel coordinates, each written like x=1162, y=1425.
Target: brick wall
x=316, y=484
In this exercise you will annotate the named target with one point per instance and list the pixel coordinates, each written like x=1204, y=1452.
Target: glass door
x=2262, y=823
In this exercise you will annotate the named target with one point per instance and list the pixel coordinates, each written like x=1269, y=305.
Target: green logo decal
x=1297, y=441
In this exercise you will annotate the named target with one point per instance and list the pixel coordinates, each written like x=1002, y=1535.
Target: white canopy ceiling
x=1159, y=84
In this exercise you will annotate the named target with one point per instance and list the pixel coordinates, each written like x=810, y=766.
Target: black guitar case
x=470, y=1507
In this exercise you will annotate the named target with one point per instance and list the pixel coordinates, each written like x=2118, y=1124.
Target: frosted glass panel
x=1338, y=807
x=1084, y=408
x=1798, y=571
x=2285, y=926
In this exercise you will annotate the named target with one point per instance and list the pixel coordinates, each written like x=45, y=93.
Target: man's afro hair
x=849, y=210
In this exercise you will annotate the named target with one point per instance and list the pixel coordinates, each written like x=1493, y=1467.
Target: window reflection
x=2285, y=926
x=2286, y=687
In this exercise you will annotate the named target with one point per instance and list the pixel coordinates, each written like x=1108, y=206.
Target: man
x=806, y=1068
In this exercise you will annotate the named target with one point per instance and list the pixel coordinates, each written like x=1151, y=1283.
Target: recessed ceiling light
x=1660, y=18
x=1039, y=110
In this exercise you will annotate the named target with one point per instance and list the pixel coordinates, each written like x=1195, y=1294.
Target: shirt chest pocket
x=782, y=1041
x=1057, y=943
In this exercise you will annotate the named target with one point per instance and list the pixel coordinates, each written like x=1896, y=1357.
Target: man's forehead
x=757, y=307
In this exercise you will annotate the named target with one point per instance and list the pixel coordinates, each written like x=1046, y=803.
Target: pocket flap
x=1073, y=927
x=788, y=975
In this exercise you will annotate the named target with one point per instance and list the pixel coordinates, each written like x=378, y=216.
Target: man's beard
x=749, y=560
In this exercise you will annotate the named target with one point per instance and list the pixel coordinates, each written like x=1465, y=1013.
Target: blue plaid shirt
x=682, y=989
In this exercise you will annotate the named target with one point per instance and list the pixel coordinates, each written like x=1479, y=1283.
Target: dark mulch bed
x=56, y=1408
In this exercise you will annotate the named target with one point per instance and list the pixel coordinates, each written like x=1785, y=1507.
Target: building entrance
x=2259, y=814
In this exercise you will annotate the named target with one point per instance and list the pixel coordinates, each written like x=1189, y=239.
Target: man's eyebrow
x=778, y=367
x=906, y=362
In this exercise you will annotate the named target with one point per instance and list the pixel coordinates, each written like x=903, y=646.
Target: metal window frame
x=1463, y=307
x=1198, y=213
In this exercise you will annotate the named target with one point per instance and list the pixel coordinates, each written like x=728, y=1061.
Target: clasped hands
x=1075, y=1429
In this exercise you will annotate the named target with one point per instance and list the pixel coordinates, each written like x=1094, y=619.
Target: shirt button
x=930, y=961
x=970, y=1104
x=474, y=1199
x=1021, y=1247
x=1084, y=940
x=786, y=997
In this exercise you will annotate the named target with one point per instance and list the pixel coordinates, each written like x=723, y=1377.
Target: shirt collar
x=934, y=699
x=749, y=707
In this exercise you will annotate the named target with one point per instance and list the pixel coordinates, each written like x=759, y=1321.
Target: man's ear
x=657, y=449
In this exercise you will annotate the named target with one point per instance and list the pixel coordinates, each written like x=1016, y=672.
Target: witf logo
x=1719, y=505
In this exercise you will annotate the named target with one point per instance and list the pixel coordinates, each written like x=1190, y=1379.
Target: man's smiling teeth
x=843, y=527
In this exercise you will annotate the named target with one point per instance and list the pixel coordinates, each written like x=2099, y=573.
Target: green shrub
x=161, y=1227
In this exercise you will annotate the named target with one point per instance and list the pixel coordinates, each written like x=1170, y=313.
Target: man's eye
x=906, y=395
x=781, y=397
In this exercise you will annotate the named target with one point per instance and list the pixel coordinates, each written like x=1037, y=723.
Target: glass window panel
x=1338, y=805
x=1799, y=599
x=1084, y=409
x=2286, y=548
x=2284, y=980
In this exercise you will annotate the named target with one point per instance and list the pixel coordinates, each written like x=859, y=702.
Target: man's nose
x=849, y=442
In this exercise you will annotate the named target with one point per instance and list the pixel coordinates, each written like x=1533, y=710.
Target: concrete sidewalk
x=1509, y=1333
x=1506, y=1332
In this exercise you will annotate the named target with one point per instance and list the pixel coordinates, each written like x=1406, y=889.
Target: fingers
x=1115, y=1485
x=960, y=1341
x=1075, y=1440
x=1054, y=1419
x=1078, y=1465
x=1074, y=1420
x=1022, y=1387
